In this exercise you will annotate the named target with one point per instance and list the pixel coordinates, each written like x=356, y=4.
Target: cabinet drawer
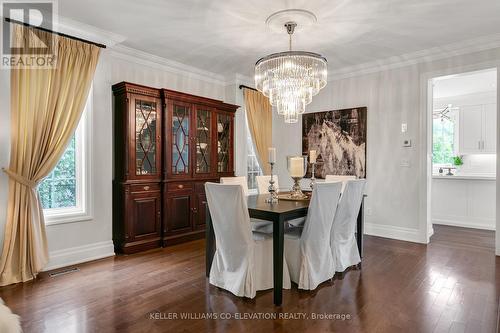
x=177, y=186
x=144, y=188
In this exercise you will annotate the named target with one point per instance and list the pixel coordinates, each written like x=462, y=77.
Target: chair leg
x=358, y=266
x=341, y=275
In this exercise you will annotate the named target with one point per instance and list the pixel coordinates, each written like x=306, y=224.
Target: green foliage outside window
x=58, y=189
x=443, y=141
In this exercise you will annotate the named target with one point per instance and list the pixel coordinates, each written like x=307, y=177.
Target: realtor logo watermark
x=35, y=48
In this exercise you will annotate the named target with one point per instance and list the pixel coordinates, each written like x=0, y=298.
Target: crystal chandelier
x=290, y=79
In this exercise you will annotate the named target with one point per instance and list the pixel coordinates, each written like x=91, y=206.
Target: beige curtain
x=260, y=122
x=46, y=105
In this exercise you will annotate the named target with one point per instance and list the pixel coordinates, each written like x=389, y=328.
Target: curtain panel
x=260, y=122
x=46, y=106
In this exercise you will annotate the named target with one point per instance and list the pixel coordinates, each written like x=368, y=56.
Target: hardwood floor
x=451, y=285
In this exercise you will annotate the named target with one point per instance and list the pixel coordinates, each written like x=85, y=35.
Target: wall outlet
x=368, y=211
x=405, y=163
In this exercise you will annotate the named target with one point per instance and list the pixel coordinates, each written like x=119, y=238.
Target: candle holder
x=297, y=166
x=273, y=195
x=313, y=179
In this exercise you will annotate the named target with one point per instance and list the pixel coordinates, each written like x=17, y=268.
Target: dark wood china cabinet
x=167, y=145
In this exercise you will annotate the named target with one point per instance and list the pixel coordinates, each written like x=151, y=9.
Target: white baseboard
x=79, y=254
x=430, y=231
x=393, y=232
x=475, y=225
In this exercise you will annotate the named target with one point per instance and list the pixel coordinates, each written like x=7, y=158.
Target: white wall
x=396, y=195
x=80, y=241
x=497, y=247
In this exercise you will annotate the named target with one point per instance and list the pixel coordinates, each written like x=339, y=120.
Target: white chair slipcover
x=257, y=224
x=242, y=263
x=263, y=186
x=263, y=183
x=240, y=180
x=339, y=178
x=343, y=241
x=308, y=254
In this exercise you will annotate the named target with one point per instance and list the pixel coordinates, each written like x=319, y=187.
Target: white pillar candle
x=312, y=156
x=297, y=167
x=272, y=155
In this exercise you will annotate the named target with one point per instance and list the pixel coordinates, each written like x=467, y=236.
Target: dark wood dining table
x=279, y=213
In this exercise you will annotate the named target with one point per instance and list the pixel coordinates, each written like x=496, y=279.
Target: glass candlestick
x=273, y=195
x=313, y=179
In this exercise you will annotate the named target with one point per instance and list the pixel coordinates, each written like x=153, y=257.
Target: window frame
x=83, y=143
x=455, y=116
x=250, y=148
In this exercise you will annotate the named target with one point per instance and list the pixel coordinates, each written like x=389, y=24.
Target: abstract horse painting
x=339, y=137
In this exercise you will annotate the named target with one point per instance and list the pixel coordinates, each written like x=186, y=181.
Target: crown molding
x=88, y=32
x=413, y=58
x=151, y=60
x=238, y=79
x=81, y=30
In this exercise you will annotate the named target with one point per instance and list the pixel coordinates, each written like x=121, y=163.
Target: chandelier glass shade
x=290, y=80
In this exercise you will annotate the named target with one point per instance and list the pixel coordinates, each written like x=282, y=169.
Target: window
x=63, y=193
x=443, y=139
x=59, y=188
x=253, y=168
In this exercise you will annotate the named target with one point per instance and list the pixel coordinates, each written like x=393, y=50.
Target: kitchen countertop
x=466, y=177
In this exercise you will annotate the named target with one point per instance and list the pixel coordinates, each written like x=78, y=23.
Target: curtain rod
x=8, y=19
x=247, y=87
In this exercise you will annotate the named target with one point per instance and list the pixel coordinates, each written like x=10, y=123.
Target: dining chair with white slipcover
x=343, y=240
x=307, y=249
x=9, y=322
x=339, y=178
x=242, y=262
x=263, y=183
x=257, y=224
x=263, y=186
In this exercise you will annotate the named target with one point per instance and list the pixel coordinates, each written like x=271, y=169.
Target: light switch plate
x=404, y=127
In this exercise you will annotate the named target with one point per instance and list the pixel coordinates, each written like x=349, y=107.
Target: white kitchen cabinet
x=477, y=129
x=470, y=129
x=490, y=129
x=462, y=202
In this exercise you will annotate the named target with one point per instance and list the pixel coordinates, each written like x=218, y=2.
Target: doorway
x=462, y=113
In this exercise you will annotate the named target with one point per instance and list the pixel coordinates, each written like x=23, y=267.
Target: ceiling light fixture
x=290, y=79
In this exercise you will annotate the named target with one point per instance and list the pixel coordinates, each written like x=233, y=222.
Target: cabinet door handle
x=180, y=186
x=146, y=188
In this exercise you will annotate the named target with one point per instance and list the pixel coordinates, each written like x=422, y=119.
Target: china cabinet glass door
x=223, y=142
x=203, y=141
x=180, y=122
x=145, y=137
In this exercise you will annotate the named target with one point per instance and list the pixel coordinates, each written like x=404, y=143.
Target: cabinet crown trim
x=126, y=87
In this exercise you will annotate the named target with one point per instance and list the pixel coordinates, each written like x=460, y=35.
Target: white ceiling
x=465, y=83
x=228, y=36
